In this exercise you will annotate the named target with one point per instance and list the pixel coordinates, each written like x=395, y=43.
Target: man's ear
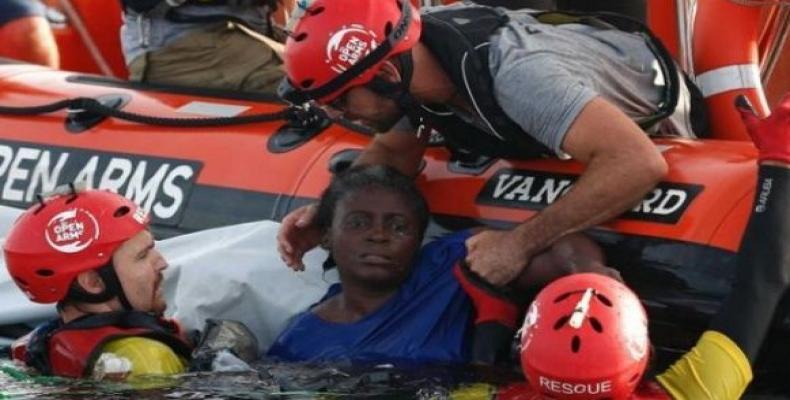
x=389, y=72
x=91, y=282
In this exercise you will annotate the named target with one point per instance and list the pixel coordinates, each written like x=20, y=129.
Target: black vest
x=459, y=39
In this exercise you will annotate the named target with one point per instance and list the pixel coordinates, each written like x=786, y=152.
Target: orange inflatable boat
x=676, y=247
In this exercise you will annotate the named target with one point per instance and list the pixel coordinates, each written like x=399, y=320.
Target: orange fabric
x=29, y=39
x=741, y=36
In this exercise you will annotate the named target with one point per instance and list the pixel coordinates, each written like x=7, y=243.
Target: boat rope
x=298, y=116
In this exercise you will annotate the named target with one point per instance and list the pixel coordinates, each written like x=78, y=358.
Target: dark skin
x=375, y=236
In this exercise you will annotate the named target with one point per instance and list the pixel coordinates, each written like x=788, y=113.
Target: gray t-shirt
x=151, y=31
x=544, y=75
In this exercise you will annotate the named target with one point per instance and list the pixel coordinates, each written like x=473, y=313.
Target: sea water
x=268, y=381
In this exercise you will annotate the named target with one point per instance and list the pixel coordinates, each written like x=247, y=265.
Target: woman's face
x=373, y=239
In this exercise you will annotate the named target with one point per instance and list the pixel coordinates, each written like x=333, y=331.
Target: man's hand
x=497, y=256
x=298, y=235
x=771, y=135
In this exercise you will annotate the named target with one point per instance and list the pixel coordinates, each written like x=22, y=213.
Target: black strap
x=298, y=116
x=627, y=24
x=112, y=288
x=398, y=91
x=295, y=94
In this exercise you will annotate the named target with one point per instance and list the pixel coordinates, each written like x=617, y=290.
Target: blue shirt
x=15, y=9
x=427, y=320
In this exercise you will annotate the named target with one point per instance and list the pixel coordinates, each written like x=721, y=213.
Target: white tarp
x=232, y=272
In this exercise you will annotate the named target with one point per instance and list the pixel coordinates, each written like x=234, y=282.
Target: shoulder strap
x=627, y=24
x=464, y=35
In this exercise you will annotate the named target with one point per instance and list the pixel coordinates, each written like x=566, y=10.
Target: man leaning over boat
x=497, y=84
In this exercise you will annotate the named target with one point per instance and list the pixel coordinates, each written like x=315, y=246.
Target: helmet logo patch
x=140, y=215
x=635, y=332
x=529, y=321
x=72, y=231
x=349, y=45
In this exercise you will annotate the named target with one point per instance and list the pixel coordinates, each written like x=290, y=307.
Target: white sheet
x=232, y=272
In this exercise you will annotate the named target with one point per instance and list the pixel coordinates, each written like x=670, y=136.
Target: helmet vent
x=45, y=272
x=596, y=325
x=563, y=296
x=307, y=83
x=388, y=28
x=300, y=36
x=576, y=344
x=633, y=378
x=603, y=299
x=121, y=211
x=315, y=10
x=561, y=322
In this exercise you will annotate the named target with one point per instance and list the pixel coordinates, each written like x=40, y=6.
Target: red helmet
x=337, y=44
x=585, y=337
x=56, y=239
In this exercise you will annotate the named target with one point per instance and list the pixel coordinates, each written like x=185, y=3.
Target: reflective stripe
x=724, y=79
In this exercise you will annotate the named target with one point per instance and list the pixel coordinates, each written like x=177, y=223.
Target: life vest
x=462, y=50
x=70, y=349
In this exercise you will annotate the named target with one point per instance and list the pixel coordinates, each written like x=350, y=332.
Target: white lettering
x=502, y=186
x=666, y=207
x=7, y=154
x=88, y=171
x=16, y=173
x=44, y=176
x=574, y=388
x=762, y=198
x=522, y=190
x=144, y=192
x=112, y=181
x=550, y=190
x=171, y=190
x=646, y=204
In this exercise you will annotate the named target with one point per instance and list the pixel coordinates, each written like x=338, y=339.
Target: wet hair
x=365, y=177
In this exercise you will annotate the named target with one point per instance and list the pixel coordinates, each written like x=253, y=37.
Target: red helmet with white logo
x=585, y=337
x=56, y=239
x=337, y=44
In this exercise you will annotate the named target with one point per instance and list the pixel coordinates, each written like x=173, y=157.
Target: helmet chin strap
x=398, y=91
x=112, y=288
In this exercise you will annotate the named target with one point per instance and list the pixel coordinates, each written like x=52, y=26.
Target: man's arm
x=571, y=254
x=622, y=165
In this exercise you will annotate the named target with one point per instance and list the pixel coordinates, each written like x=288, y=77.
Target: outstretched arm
x=720, y=363
x=622, y=165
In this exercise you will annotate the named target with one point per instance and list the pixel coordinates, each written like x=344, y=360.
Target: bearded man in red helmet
x=494, y=83
x=92, y=254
